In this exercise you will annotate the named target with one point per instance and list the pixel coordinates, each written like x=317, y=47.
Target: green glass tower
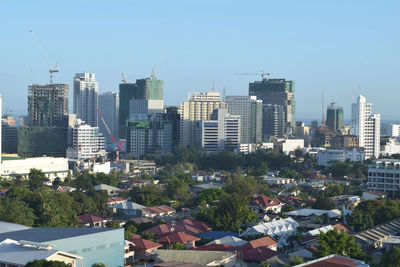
x=334, y=117
x=149, y=88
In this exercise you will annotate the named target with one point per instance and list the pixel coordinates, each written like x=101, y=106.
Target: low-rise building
x=111, y=190
x=389, y=146
x=266, y=204
x=288, y=145
x=384, y=175
x=334, y=260
x=329, y=156
x=307, y=214
x=53, y=168
x=178, y=237
x=143, y=249
x=210, y=258
x=93, y=220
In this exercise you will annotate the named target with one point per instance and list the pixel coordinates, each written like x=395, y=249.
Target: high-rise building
x=199, y=107
x=392, y=130
x=1, y=134
x=384, y=175
x=279, y=94
x=145, y=106
x=109, y=109
x=250, y=110
x=47, y=104
x=173, y=116
x=222, y=132
x=149, y=88
x=274, y=122
x=87, y=142
x=86, y=90
x=334, y=117
x=148, y=134
x=9, y=135
x=366, y=126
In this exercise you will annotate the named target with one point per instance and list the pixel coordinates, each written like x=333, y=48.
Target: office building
x=109, y=110
x=148, y=134
x=9, y=135
x=366, y=126
x=149, y=88
x=199, y=107
x=92, y=245
x=343, y=141
x=173, y=116
x=384, y=175
x=222, y=132
x=47, y=104
x=302, y=132
x=392, y=130
x=250, y=110
x=145, y=106
x=274, y=122
x=334, y=117
x=86, y=90
x=87, y=142
x=279, y=94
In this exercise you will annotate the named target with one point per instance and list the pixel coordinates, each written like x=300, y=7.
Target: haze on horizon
x=329, y=46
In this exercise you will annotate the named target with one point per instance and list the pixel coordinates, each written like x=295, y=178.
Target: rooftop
x=45, y=234
x=6, y=227
x=193, y=256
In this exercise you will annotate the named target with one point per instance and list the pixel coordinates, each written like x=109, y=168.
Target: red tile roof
x=341, y=228
x=265, y=201
x=141, y=243
x=4, y=190
x=260, y=242
x=91, y=218
x=115, y=199
x=335, y=261
x=178, y=237
x=188, y=226
x=259, y=254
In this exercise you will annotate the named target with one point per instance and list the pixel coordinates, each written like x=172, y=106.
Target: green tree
x=340, y=243
x=244, y=187
x=324, y=203
x=148, y=195
x=210, y=195
x=36, y=179
x=391, y=259
x=178, y=190
x=99, y=264
x=45, y=263
x=16, y=211
x=295, y=260
x=178, y=246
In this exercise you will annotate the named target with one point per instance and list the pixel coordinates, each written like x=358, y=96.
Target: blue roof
x=44, y=234
x=216, y=235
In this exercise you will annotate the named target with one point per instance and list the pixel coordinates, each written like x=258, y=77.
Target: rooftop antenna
x=212, y=89
x=51, y=69
x=223, y=94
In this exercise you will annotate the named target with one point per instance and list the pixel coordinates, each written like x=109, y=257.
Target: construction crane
x=119, y=147
x=123, y=78
x=51, y=69
x=262, y=73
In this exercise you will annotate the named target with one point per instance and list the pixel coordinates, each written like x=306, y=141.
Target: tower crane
x=51, y=69
x=119, y=147
x=262, y=73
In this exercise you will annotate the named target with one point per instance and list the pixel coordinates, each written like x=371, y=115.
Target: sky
x=329, y=46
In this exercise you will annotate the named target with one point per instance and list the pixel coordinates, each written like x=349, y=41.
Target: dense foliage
x=45, y=263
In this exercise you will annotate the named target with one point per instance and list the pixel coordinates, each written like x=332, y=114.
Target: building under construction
x=47, y=104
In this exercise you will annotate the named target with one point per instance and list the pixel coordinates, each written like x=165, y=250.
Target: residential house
x=111, y=190
x=266, y=242
x=178, y=237
x=158, y=211
x=93, y=220
x=311, y=214
x=115, y=200
x=228, y=240
x=144, y=249
x=188, y=226
x=266, y=204
x=334, y=260
x=127, y=210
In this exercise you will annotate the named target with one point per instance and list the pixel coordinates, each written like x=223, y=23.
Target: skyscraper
x=149, y=88
x=334, y=117
x=277, y=92
x=250, y=110
x=47, y=104
x=366, y=126
x=86, y=90
x=109, y=109
x=221, y=132
x=199, y=107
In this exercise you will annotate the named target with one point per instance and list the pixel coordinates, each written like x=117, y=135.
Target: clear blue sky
x=331, y=46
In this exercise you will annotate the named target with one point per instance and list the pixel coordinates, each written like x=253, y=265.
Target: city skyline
x=329, y=47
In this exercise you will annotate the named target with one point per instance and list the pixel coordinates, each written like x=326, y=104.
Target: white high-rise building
x=222, y=132
x=1, y=116
x=366, y=126
x=109, y=109
x=199, y=107
x=250, y=110
x=87, y=142
x=392, y=130
x=86, y=90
